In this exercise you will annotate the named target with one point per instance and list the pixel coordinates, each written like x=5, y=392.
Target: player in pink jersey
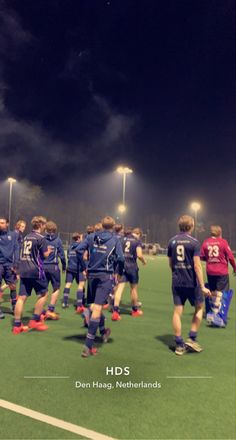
x=217, y=254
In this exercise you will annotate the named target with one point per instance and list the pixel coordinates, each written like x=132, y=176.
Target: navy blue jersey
x=181, y=249
x=55, y=243
x=9, y=248
x=74, y=262
x=104, y=249
x=32, y=255
x=129, y=245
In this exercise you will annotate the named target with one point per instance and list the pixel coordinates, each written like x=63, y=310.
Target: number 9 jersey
x=181, y=250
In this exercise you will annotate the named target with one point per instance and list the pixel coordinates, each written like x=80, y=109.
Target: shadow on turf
x=166, y=340
x=80, y=339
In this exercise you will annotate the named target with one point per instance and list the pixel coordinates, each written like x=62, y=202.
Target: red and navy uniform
x=217, y=254
x=51, y=263
x=181, y=250
x=129, y=246
x=32, y=275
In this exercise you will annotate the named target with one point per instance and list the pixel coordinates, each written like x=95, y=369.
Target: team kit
x=101, y=262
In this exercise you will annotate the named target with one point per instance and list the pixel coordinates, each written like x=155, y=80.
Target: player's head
x=51, y=227
x=20, y=225
x=108, y=223
x=186, y=223
x=3, y=223
x=98, y=227
x=118, y=228
x=128, y=230
x=137, y=232
x=90, y=229
x=76, y=236
x=216, y=231
x=38, y=223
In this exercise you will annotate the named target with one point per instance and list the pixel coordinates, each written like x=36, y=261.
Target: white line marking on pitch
x=189, y=377
x=57, y=423
x=46, y=377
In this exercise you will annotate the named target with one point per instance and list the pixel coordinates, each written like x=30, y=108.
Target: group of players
x=107, y=258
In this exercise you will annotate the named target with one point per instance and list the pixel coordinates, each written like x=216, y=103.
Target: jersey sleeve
x=230, y=255
x=169, y=250
x=43, y=246
x=61, y=254
x=197, y=250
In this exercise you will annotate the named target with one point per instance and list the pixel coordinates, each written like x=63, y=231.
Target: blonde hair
x=108, y=222
x=216, y=230
x=38, y=221
x=51, y=226
x=186, y=223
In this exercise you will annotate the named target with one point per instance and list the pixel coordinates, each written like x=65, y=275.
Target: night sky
x=86, y=85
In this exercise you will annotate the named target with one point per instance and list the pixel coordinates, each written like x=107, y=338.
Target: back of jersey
x=181, y=249
x=31, y=256
x=129, y=245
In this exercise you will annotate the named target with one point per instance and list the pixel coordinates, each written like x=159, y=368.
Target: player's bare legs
x=80, y=296
x=176, y=320
x=134, y=300
x=19, y=307
x=118, y=294
x=197, y=317
x=38, y=308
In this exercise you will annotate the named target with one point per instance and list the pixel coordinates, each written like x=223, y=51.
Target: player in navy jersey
x=51, y=267
x=32, y=276
x=9, y=256
x=103, y=248
x=75, y=271
x=132, y=249
x=187, y=282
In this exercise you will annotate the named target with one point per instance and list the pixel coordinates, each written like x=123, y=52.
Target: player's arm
x=199, y=275
x=169, y=254
x=140, y=256
x=170, y=263
x=202, y=253
x=119, y=257
x=61, y=254
x=230, y=256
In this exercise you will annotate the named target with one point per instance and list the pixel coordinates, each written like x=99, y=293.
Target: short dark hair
x=186, y=223
x=108, y=222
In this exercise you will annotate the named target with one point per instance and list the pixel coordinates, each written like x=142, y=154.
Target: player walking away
x=132, y=248
x=75, y=271
x=52, y=269
x=9, y=257
x=32, y=276
x=187, y=282
x=103, y=247
x=216, y=252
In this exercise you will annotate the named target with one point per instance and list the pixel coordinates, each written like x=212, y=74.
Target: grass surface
x=180, y=409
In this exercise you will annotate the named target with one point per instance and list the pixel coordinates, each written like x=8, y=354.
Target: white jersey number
x=213, y=251
x=27, y=247
x=127, y=246
x=180, y=252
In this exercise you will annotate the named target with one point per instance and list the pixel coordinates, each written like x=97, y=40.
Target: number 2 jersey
x=129, y=245
x=217, y=253
x=31, y=256
x=181, y=249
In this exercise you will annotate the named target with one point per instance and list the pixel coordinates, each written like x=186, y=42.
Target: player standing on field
x=187, y=282
x=216, y=252
x=32, y=276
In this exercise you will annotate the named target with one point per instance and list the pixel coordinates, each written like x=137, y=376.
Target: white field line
x=189, y=377
x=57, y=423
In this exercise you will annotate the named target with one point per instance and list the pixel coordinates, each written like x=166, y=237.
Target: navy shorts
x=130, y=276
x=7, y=275
x=53, y=276
x=182, y=294
x=99, y=288
x=218, y=282
x=28, y=284
x=71, y=276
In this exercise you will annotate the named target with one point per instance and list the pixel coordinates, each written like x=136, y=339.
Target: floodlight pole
x=124, y=187
x=10, y=181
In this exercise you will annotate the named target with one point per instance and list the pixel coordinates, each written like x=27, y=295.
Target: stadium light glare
x=124, y=170
x=11, y=181
x=122, y=208
x=195, y=206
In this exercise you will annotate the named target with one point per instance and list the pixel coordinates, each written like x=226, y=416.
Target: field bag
x=217, y=308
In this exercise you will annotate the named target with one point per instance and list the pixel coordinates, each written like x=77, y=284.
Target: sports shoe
x=136, y=313
x=106, y=335
x=2, y=316
x=193, y=345
x=89, y=352
x=115, y=316
x=51, y=315
x=80, y=309
x=23, y=328
x=180, y=350
x=64, y=305
x=37, y=325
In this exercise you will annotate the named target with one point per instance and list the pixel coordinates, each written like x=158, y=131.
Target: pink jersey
x=217, y=254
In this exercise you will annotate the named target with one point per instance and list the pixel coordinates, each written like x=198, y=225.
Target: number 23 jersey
x=181, y=249
x=217, y=253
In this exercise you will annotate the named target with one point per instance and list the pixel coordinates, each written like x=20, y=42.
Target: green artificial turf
x=180, y=409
